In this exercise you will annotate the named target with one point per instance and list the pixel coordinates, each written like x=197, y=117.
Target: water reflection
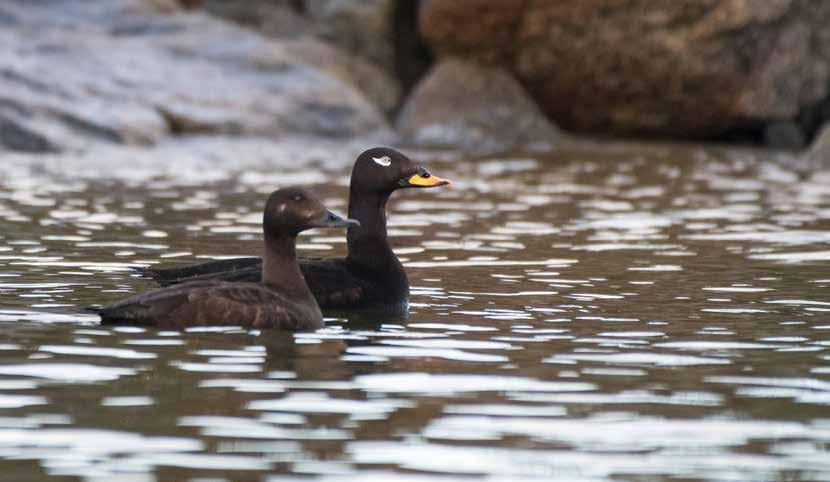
x=607, y=313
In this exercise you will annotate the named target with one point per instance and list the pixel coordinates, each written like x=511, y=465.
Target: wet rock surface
x=701, y=69
x=479, y=108
x=133, y=73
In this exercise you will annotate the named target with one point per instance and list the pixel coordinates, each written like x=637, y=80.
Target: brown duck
x=281, y=301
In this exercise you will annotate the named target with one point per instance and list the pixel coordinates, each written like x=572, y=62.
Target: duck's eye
x=297, y=197
x=384, y=161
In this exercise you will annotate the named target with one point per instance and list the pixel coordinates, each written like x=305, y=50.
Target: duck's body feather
x=207, y=303
x=335, y=283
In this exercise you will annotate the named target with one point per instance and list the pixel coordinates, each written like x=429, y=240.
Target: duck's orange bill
x=429, y=181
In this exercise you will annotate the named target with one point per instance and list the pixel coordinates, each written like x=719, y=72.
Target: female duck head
x=384, y=170
x=292, y=210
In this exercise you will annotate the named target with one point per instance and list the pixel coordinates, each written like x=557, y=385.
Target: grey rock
x=349, y=39
x=77, y=72
x=376, y=84
x=478, y=108
x=275, y=18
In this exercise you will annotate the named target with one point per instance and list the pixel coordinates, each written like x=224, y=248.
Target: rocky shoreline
x=481, y=76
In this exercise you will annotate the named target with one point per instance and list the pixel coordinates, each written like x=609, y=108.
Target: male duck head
x=382, y=169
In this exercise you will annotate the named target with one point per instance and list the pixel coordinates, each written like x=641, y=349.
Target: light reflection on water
x=607, y=313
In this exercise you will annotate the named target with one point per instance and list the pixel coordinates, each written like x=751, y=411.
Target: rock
x=818, y=154
x=413, y=57
x=784, y=135
x=372, y=81
x=275, y=18
x=697, y=69
x=74, y=73
x=350, y=39
x=365, y=30
x=20, y=137
x=482, y=29
x=363, y=27
x=478, y=108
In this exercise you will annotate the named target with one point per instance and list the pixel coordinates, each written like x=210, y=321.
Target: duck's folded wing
x=332, y=284
x=150, y=307
x=208, y=303
x=236, y=269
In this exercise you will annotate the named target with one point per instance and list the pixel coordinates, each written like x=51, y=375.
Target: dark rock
x=17, y=137
x=478, y=108
x=363, y=27
x=382, y=33
x=818, y=155
x=413, y=57
x=784, y=135
x=681, y=69
x=364, y=30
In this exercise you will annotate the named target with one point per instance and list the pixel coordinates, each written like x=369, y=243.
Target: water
x=607, y=312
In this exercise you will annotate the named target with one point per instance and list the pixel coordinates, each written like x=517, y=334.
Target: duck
x=371, y=275
x=282, y=300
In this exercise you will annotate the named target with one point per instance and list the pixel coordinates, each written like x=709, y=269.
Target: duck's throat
x=368, y=245
x=280, y=270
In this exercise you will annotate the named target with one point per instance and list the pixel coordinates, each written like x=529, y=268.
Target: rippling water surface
x=602, y=313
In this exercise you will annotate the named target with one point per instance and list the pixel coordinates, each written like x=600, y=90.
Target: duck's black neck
x=280, y=270
x=368, y=246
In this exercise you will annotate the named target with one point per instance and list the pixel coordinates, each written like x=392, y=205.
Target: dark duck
x=281, y=301
x=370, y=275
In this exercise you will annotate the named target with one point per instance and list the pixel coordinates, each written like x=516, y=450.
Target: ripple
x=429, y=383
x=714, y=345
x=67, y=372
x=97, y=351
x=413, y=352
x=321, y=403
x=633, y=397
x=125, y=401
x=17, y=401
x=624, y=435
x=488, y=262
x=216, y=367
x=562, y=465
x=657, y=359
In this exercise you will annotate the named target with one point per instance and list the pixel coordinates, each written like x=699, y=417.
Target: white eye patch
x=383, y=161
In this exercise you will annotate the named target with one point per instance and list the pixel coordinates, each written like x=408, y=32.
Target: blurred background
x=479, y=75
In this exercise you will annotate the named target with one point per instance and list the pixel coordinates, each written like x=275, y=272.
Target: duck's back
x=214, y=303
x=335, y=283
